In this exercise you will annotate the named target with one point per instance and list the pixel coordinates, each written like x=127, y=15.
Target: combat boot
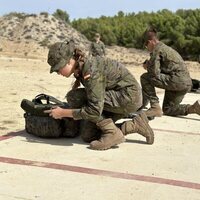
x=89, y=131
x=111, y=135
x=154, y=111
x=195, y=108
x=139, y=124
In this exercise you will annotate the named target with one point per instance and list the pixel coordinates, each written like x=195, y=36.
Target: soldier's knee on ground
x=170, y=111
x=89, y=131
x=167, y=110
x=70, y=127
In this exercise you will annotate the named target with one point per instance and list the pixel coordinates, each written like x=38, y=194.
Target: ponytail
x=79, y=56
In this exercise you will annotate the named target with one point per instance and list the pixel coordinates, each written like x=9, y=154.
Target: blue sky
x=94, y=8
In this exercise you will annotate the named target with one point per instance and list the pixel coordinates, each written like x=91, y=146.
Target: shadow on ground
x=61, y=141
x=184, y=117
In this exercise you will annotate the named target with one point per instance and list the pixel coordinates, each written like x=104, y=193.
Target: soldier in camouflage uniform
x=167, y=70
x=110, y=92
x=97, y=48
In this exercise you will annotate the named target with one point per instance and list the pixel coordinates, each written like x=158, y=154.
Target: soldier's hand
x=55, y=112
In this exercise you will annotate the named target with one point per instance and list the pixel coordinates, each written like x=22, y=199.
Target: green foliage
x=16, y=14
x=46, y=14
x=62, y=15
x=180, y=30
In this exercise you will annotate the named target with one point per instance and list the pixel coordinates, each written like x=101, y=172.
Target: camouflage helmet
x=97, y=35
x=60, y=54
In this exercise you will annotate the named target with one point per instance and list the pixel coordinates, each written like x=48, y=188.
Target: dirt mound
x=24, y=35
x=30, y=35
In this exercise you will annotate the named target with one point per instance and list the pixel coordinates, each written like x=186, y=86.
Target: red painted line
x=99, y=172
x=11, y=135
x=173, y=131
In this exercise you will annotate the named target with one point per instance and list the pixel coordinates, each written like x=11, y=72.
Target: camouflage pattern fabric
x=167, y=70
x=89, y=131
x=60, y=54
x=109, y=90
x=45, y=127
x=97, y=49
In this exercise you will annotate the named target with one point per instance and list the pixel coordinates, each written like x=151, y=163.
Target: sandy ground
x=34, y=168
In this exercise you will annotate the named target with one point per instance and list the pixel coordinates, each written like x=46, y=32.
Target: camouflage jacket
x=97, y=49
x=167, y=65
x=99, y=75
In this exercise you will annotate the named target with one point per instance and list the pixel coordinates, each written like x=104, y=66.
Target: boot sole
x=119, y=141
x=149, y=141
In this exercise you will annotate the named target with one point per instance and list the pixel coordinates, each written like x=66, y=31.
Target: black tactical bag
x=40, y=124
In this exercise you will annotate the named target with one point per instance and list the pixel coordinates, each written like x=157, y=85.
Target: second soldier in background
x=97, y=48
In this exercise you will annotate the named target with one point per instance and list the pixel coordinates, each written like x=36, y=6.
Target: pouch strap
x=48, y=99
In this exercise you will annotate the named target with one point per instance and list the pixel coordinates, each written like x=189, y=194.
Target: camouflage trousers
x=173, y=97
x=117, y=104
